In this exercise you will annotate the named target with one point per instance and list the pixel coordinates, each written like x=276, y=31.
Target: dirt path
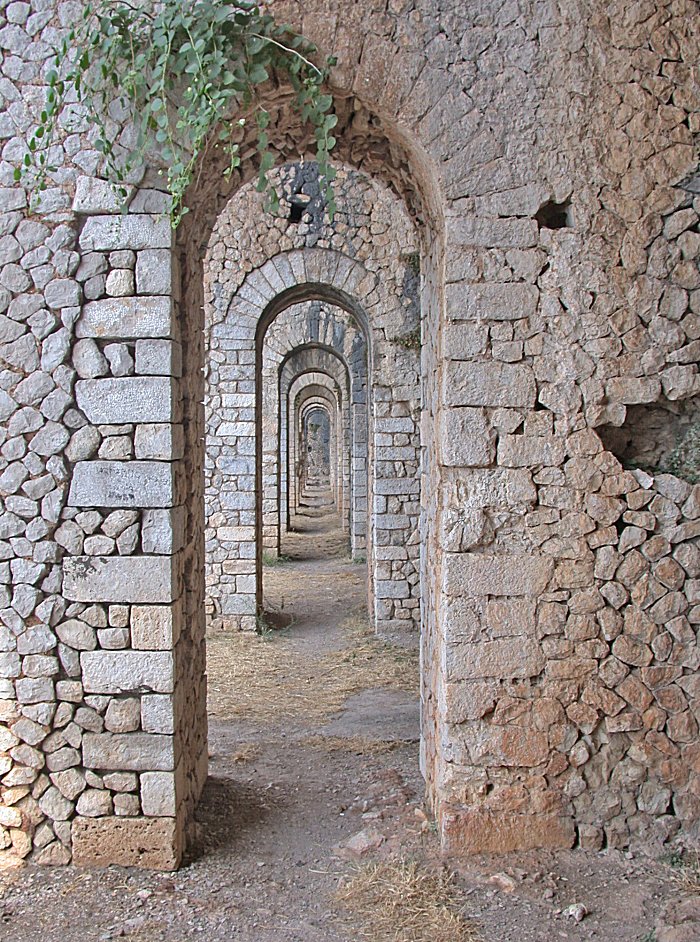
x=314, y=733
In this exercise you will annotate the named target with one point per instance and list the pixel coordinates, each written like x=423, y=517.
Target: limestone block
x=136, y=232
x=465, y=438
x=633, y=390
x=126, y=671
x=154, y=843
x=126, y=318
x=163, y=531
x=95, y=197
x=119, y=579
x=491, y=302
x=488, y=832
x=503, y=659
x=126, y=400
x=157, y=713
x=475, y=574
x=162, y=442
x=158, y=358
x=128, y=752
x=122, y=484
x=153, y=627
x=489, y=384
x=466, y=230
x=158, y=794
x=154, y=271
x=524, y=451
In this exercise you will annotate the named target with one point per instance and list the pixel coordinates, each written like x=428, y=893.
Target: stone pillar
x=126, y=669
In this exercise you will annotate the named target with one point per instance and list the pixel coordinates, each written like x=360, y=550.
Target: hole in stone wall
x=663, y=437
x=297, y=208
x=555, y=215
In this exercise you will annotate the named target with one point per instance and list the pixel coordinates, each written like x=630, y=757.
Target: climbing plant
x=188, y=76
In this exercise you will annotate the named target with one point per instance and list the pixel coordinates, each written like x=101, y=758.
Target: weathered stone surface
x=152, y=627
x=113, y=579
x=154, y=843
x=137, y=231
x=118, y=672
x=491, y=302
x=496, y=575
x=466, y=438
x=489, y=384
x=126, y=400
x=502, y=659
x=126, y=318
x=158, y=794
x=137, y=752
x=486, y=832
x=121, y=484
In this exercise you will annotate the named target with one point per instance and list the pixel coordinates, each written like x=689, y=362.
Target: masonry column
x=139, y=757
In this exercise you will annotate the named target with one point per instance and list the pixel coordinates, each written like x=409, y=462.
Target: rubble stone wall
x=547, y=156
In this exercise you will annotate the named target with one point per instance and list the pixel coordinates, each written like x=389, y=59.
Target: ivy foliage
x=183, y=71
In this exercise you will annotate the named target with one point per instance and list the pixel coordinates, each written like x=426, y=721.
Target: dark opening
x=662, y=437
x=555, y=215
x=298, y=205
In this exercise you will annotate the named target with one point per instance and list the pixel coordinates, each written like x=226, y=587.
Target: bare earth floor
x=314, y=738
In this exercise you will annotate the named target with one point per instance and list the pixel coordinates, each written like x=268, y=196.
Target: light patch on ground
x=267, y=678
x=401, y=902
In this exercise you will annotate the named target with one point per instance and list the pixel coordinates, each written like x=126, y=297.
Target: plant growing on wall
x=184, y=73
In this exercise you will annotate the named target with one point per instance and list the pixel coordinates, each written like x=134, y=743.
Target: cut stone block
x=126, y=400
x=152, y=627
x=128, y=752
x=465, y=438
x=126, y=318
x=160, y=442
x=154, y=843
x=474, y=574
x=489, y=384
x=504, y=659
x=487, y=832
x=158, y=794
x=158, y=358
x=121, y=484
x=123, y=579
x=135, y=232
x=127, y=671
x=491, y=302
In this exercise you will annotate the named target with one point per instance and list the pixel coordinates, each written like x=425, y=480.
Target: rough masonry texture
x=501, y=327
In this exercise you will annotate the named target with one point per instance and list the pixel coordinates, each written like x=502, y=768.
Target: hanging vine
x=184, y=73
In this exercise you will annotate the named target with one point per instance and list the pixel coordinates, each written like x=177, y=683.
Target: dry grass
x=400, y=902
x=247, y=753
x=279, y=676
x=685, y=872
